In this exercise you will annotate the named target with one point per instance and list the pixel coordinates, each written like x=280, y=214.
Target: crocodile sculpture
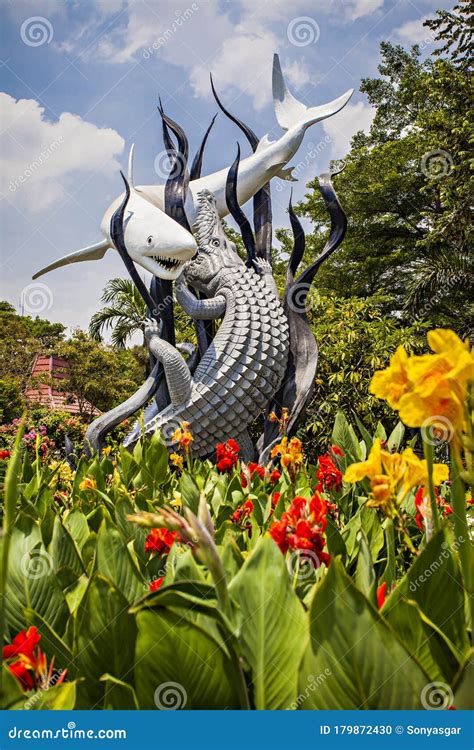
x=246, y=362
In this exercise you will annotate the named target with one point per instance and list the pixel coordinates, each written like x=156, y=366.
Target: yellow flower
x=176, y=501
x=392, y=476
x=106, y=451
x=429, y=390
x=88, y=483
x=391, y=384
x=177, y=460
x=290, y=453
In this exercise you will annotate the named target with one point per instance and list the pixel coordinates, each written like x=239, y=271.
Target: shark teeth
x=168, y=263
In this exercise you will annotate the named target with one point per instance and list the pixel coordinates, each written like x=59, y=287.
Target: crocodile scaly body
x=245, y=363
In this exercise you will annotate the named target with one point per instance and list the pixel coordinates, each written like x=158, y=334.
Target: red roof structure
x=46, y=394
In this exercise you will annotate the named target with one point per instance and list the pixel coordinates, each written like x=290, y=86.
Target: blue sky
x=80, y=82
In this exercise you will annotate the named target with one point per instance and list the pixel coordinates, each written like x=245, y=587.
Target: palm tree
x=441, y=289
x=124, y=312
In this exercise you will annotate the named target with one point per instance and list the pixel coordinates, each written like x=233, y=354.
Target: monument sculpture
x=263, y=356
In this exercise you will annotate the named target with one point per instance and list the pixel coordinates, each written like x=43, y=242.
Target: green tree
x=354, y=338
x=97, y=375
x=406, y=191
x=123, y=313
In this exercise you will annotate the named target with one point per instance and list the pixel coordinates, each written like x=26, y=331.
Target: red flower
x=24, y=644
x=160, y=541
x=275, y=499
x=155, y=585
x=301, y=527
x=227, y=455
x=381, y=592
x=243, y=512
x=24, y=677
x=328, y=474
x=4, y=455
x=337, y=451
x=274, y=476
x=250, y=470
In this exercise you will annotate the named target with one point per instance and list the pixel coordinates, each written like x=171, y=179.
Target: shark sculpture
x=164, y=249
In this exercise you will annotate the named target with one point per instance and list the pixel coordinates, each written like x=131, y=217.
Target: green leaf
x=31, y=580
x=424, y=640
x=104, y=640
x=274, y=629
x=396, y=438
x=464, y=684
x=114, y=562
x=434, y=583
x=189, y=491
x=118, y=695
x=76, y=524
x=59, y=698
x=343, y=435
x=365, y=574
x=354, y=659
x=11, y=693
x=179, y=665
x=63, y=550
x=335, y=542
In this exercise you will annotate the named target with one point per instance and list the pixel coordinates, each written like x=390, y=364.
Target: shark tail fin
x=93, y=252
x=290, y=112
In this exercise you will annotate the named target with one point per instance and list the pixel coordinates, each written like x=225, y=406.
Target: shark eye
x=149, y=240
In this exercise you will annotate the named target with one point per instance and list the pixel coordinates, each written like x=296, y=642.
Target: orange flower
x=183, y=437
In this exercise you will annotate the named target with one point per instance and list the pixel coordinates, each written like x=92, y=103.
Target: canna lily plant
x=338, y=581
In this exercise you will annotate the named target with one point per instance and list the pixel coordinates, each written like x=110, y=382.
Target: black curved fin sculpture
x=196, y=166
x=262, y=202
x=236, y=212
x=298, y=383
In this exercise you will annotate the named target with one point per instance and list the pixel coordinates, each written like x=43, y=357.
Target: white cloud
x=413, y=32
x=359, y=8
x=345, y=124
x=38, y=156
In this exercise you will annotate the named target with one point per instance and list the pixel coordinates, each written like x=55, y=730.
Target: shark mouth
x=168, y=263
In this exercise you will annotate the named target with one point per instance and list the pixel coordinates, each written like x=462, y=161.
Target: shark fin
x=285, y=174
x=93, y=252
x=290, y=112
x=263, y=143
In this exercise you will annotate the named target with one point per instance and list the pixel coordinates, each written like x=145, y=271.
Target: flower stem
x=429, y=456
x=463, y=542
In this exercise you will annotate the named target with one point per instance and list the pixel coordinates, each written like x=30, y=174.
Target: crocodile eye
x=149, y=240
x=215, y=242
